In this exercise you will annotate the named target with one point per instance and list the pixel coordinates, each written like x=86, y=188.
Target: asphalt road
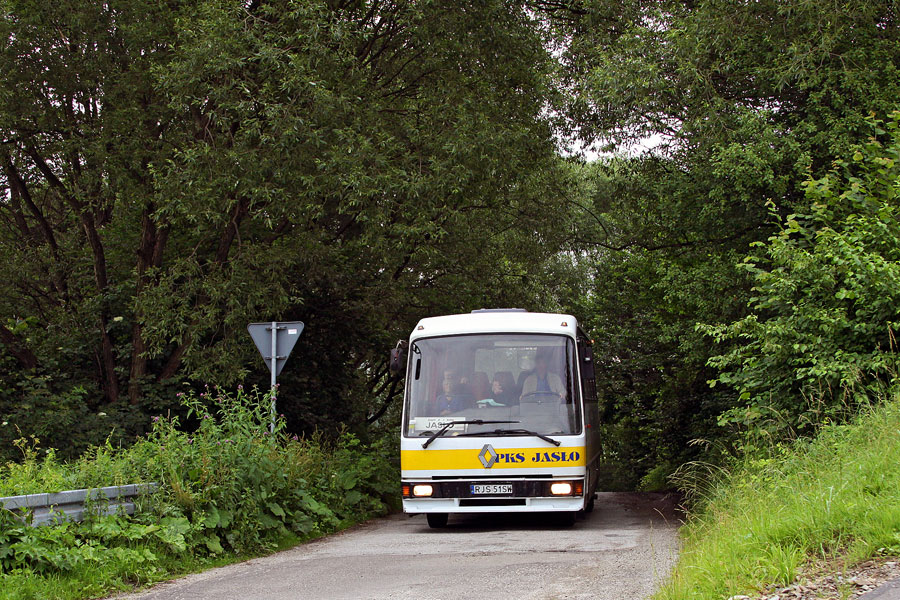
x=619, y=552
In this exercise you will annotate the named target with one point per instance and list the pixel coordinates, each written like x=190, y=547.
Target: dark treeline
x=747, y=101
x=173, y=171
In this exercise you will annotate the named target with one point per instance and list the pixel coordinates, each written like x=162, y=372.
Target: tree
x=172, y=172
x=821, y=333
x=743, y=101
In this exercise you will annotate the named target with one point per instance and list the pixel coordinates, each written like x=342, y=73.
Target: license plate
x=492, y=489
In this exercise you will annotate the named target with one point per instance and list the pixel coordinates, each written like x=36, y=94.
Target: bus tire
x=437, y=520
x=590, y=505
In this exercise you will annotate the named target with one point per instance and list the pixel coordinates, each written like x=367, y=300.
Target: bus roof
x=496, y=322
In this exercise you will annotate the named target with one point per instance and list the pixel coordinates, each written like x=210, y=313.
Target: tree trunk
x=226, y=241
x=174, y=362
x=391, y=394
x=150, y=252
x=19, y=190
x=108, y=359
x=138, y=361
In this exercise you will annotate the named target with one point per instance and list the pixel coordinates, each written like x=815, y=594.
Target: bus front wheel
x=437, y=520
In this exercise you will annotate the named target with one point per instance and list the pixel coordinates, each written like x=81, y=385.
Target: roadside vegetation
x=229, y=489
x=821, y=327
x=823, y=504
x=382, y=169
x=172, y=171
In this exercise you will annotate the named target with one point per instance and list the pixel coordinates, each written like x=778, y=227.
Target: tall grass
x=837, y=496
x=39, y=470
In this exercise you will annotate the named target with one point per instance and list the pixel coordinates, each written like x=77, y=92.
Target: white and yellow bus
x=499, y=415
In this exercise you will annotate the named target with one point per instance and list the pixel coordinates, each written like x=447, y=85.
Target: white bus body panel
x=499, y=322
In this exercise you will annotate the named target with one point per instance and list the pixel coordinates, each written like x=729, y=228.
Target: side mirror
x=587, y=362
x=397, y=362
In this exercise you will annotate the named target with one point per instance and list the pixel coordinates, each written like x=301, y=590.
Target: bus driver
x=542, y=381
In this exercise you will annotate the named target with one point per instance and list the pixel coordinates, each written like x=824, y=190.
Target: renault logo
x=487, y=456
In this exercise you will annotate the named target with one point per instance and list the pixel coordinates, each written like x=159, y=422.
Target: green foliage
x=821, y=332
x=173, y=171
x=756, y=89
x=759, y=522
x=242, y=487
x=742, y=102
x=39, y=470
x=71, y=547
x=657, y=263
x=230, y=487
x=58, y=412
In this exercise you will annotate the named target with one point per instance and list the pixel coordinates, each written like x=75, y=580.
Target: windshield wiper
x=450, y=424
x=515, y=432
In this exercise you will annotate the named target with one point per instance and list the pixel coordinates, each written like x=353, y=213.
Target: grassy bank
x=836, y=498
x=229, y=489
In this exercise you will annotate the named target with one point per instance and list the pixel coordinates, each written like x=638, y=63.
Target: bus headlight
x=562, y=488
x=422, y=490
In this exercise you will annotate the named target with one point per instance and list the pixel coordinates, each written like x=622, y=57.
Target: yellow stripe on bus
x=488, y=457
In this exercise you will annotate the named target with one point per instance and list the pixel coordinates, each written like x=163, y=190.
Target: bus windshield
x=525, y=379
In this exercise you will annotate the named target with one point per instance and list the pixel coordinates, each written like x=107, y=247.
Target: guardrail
x=50, y=509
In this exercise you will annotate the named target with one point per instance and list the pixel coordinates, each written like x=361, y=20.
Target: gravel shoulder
x=619, y=552
x=877, y=579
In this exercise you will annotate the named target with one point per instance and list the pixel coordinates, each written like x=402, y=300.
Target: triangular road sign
x=287, y=334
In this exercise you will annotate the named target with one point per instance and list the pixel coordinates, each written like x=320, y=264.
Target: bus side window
x=588, y=382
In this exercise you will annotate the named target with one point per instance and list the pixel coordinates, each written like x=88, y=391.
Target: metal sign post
x=275, y=341
x=273, y=368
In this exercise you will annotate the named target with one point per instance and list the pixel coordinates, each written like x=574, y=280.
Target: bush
x=243, y=487
x=66, y=412
x=822, y=329
x=229, y=487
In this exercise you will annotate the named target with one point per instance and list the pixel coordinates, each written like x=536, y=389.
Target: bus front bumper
x=497, y=505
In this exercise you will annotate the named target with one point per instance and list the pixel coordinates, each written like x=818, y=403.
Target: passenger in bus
x=502, y=390
x=447, y=401
x=508, y=383
x=453, y=397
x=498, y=396
x=542, y=382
